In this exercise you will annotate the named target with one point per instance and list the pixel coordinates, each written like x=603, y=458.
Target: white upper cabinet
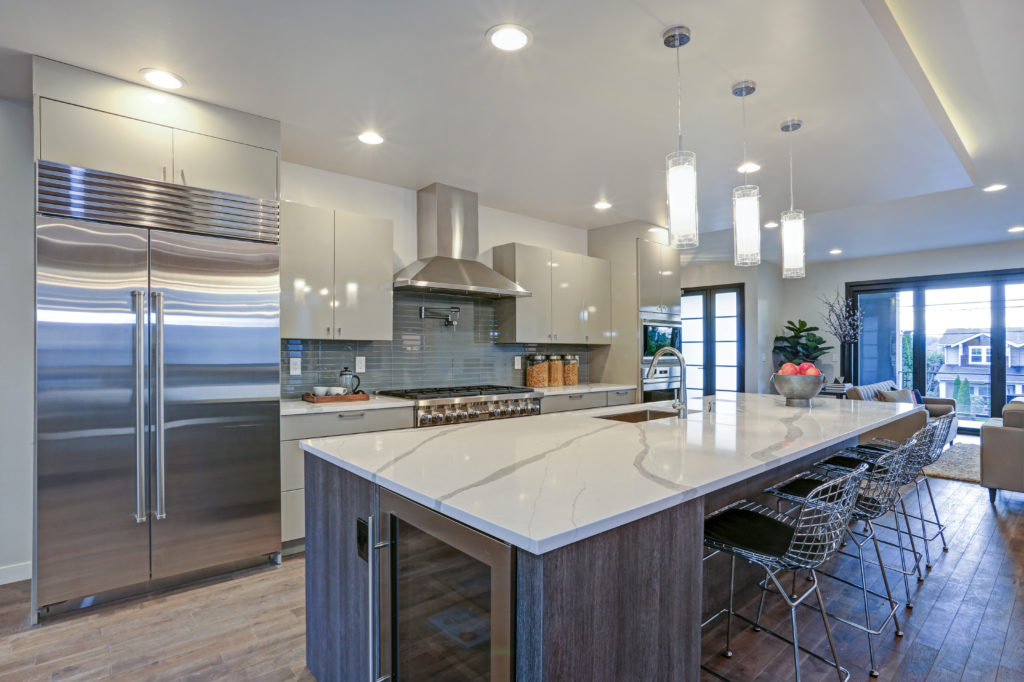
x=336, y=275
x=566, y=287
x=307, y=272
x=597, y=299
x=658, y=277
x=213, y=163
x=93, y=139
x=363, y=275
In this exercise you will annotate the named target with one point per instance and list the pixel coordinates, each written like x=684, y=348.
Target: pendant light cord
x=743, y=102
x=679, y=101
x=791, y=174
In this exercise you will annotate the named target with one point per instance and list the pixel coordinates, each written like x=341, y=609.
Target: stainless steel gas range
x=457, y=404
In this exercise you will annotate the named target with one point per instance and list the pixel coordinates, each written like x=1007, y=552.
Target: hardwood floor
x=967, y=622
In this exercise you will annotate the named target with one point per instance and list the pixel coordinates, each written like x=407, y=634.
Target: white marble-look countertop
x=376, y=402
x=582, y=388
x=546, y=481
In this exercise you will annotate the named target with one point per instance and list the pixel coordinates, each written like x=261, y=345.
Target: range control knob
x=464, y=415
x=535, y=408
x=516, y=409
x=495, y=411
x=424, y=418
x=437, y=418
x=450, y=416
x=473, y=414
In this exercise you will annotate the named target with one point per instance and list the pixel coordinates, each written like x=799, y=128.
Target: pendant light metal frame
x=746, y=199
x=793, y=232
x=680, y=165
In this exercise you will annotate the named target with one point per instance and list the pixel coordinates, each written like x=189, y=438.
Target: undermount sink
x=640, y=416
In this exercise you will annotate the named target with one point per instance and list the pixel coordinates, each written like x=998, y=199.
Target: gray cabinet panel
x=300, y=426
x=291, y=465
x=573, y=401
x=363, y=273
x=621, y=397
x=525, y=320
x=95, y=139
x=657, y=277
x=567, y=297
x=213, y=163
x=597, y=301
x=307, y=272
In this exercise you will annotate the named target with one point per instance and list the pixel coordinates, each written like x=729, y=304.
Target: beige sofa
x=904, y=428
x=1002, y=451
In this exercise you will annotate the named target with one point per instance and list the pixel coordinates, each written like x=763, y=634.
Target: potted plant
x=802, y=345
x=798, y=379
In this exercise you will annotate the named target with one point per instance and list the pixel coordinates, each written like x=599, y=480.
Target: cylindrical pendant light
x=681, y=166
x=793, y=237
x=746, y=199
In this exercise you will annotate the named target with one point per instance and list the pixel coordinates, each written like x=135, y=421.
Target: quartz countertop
x=376, y=402
x=546, y=481
x=582, y=388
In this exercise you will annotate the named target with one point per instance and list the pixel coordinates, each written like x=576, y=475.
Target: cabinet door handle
x=339, y=332
x=556, y=337
x=183, y=177
x=164, y=170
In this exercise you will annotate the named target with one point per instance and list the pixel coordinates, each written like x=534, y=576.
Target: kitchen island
x=602, y=518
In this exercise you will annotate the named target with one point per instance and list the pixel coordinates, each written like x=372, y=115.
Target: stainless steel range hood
x=447, y=246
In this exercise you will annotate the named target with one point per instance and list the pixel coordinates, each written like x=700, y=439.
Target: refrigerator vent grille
x=86, y=194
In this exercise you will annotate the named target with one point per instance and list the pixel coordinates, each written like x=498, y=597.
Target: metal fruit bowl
x=798, y=389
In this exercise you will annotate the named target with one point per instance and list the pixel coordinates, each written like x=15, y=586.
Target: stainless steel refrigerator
x=157, y=384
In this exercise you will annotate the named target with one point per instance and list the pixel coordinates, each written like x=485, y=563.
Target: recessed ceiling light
x=1016, y=228
x=748, y=167
x=835, y=252
x=995, y=187
x=509, y=37
x=656, y=229
x=771, y=224
x=602, y=205
x=370, y=137
x=163, y=79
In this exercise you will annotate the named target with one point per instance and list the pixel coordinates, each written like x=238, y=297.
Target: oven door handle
x=373, y=545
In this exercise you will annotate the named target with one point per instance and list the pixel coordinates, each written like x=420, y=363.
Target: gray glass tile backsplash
x=422, y=352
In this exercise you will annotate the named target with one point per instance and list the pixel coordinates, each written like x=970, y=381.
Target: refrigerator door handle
x=160, y=510
x=139, y=341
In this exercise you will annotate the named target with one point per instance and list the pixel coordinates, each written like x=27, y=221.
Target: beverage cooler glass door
x=446, y=598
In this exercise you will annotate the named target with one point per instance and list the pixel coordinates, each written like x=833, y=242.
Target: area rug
x=961, y=462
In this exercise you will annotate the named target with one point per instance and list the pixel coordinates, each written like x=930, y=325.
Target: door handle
x=160, y=512
x=139, y=341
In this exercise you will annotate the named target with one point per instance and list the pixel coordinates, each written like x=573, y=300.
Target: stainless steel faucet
x=679, y=404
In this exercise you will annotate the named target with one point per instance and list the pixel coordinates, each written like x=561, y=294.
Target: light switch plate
x=360, y=363
x=517, y=362
x=295, y=366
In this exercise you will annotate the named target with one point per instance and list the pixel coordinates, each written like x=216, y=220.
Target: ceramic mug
x=337, y=390
x=320, y=390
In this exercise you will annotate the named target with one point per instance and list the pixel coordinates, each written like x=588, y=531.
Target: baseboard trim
x=13, y=573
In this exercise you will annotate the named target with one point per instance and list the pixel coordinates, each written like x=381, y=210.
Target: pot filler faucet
x=679, y=404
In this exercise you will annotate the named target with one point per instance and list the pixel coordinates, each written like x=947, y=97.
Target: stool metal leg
x=828, y=632
x=913, y=545
x=903, y=558
x=924, y=529
x=760, y=606
x=796, y=645
x=867, y=609
x=942, y=529
x=885, y=581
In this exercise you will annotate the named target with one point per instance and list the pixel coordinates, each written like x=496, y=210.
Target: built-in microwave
x=658, y=330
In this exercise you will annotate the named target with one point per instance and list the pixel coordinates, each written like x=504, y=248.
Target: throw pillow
x=901, y=396
x=918, y=398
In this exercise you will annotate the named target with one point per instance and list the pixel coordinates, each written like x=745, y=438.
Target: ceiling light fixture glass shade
x=793, y=266
x=509, y=37
x=163, y=79
x=746, y=222
x=682, y=200
x=680, y=165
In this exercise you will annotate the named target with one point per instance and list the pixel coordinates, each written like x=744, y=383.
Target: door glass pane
x=725, y=354
x=692, y=306
x=725, y=304
x=693, y=353
x=444, y=610
x=958, y=325
x=693, y=330
x=1014, y=341
x=725, y=379
x=886, y=348
x=725, y=328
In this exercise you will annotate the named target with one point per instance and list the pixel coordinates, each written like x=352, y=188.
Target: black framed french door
x=955, y=336
x=713, y=339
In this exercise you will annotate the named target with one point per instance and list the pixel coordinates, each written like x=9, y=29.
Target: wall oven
x=444, y=598
x=658, y=330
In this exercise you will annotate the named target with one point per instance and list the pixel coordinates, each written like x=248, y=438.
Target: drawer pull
x=576, y=397
x=351, y=415
x=621, y=392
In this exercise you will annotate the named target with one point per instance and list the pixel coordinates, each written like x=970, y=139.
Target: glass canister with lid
x=556, y=376
x=536, y=371
x=571, y=370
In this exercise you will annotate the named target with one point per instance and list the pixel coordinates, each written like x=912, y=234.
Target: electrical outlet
x=360, y=363
x=517, y=362
x=295, y=366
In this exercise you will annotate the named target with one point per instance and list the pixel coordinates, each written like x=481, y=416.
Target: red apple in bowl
x=812, y=371
x=804, y=367
x=789, y=368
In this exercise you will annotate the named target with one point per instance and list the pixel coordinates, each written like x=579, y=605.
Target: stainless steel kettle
x=349, y=380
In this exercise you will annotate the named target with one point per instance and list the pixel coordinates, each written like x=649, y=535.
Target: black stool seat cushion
x=750, y=531
x=799, y=487
x=843, y=462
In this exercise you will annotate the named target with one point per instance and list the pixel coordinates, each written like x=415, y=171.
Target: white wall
x=317, y=187
x=17, y=326
x=801, y=297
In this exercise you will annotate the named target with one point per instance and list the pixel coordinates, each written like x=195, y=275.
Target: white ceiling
x=900, y=98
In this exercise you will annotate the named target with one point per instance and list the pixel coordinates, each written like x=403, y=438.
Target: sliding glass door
x=955, y=336
x=713, y=340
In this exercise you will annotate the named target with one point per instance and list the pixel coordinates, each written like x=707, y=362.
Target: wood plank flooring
x=967, y=622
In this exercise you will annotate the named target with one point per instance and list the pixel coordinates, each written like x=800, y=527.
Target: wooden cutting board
x=347, y=398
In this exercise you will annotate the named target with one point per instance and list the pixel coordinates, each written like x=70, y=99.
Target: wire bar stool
x=778, y=542
x=876, y=496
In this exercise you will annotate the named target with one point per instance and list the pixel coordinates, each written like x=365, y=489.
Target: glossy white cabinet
x=336, y=275
x=307, y=271
x=93, y=139
x=658, y=277
x=225, y=166
x=84, y=137
x=363, y=275
x=566, y=288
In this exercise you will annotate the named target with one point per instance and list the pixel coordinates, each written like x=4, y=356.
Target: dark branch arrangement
x=842, y=319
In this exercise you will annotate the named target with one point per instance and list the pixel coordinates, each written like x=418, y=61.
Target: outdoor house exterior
x=966, y=371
